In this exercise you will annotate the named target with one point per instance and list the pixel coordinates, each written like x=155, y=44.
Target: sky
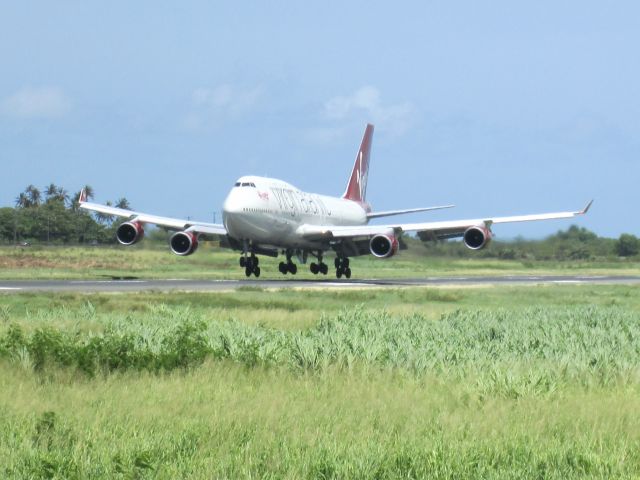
x=500, y=108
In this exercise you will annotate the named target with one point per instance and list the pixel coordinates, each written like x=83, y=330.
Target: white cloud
x=366, y=101
x=227, y=98
x=212, y=106
x=37, y=102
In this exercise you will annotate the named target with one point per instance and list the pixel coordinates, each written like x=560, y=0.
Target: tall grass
x=501, y=383
x=226, y=421
x=515, y=353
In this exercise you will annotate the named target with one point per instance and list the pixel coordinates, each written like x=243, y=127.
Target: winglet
x=83, y=196
x=586, y=209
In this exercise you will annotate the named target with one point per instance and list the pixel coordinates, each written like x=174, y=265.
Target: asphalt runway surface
x=138, y=285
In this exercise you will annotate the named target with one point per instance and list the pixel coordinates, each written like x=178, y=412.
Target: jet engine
x=383, y=246
x=183, y=243
x=129, y=233
x=477, y=237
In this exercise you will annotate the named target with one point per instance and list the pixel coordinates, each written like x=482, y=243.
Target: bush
x=627, y=245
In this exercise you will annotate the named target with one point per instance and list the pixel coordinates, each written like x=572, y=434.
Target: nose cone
x=233, y=203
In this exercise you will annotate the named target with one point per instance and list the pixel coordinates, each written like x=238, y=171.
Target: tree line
x=53, y=215
x=574, y=243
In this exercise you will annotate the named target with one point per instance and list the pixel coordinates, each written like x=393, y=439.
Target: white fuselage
x=269, y=211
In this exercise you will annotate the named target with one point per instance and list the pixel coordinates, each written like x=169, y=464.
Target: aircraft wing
x=427, y=230
x=390, y=213
x=168, y=222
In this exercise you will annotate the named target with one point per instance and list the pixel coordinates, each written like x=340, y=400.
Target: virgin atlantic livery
x=267, y=216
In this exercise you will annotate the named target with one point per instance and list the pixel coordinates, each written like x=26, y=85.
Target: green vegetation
x=155, y=261
x=574, y=244
x=54, y=217
x=513, y=382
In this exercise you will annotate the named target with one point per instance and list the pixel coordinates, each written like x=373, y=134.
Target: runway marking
x=10, y=288
x=92, y=282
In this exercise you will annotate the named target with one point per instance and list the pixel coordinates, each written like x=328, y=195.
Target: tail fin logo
x=357, y=186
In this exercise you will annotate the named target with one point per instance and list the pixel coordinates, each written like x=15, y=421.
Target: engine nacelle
x=129, y=233
x=183, y=243
x=476, y=237
x=383, y=246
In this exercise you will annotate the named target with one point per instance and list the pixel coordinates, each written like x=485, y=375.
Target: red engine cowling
x=383, y=246
x=183, y=243
x=129, y=233
x=477, y=237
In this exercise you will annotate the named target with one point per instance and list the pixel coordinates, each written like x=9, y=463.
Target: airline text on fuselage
x=296, y=201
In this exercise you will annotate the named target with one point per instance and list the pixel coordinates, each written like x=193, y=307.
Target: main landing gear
x=342, y=267
x=250, y=265
x=319, y=267
x=289, y=266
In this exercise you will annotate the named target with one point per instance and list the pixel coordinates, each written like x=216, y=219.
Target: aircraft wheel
x=345, y=262
x=323, y=268
x=338, y=273
x=283, y=268
x=256, y=272
x=248, y=271
x=336, y=262
x=293, y=268
x=242, y=262
x=347, y=272
x=255, y=260
x=314, y=268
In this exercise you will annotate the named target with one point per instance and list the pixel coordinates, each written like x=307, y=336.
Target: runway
x=176, y=285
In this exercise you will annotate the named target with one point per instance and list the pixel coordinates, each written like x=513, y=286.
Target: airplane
x=267, y=216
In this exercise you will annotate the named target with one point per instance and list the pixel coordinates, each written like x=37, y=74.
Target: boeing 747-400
x=267, y=216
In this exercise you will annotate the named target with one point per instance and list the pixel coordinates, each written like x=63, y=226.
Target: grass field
x=144, y=261
x=509, y=382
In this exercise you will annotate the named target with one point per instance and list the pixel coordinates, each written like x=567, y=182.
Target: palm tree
x=88, y=191
x=62, y=195
x=34, y=195
x=22, y=200
x=51, y=191
x=105, y=218
x=123, y=203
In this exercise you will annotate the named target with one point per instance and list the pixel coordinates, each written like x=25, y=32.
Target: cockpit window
x=237, y=184
x=248, y=184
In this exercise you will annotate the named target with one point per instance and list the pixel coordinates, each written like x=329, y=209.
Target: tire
x=338, y=273
x=347, y=272
x=283, y=268
x=293, y=268
x=336, y=262
x=314, y=268
x=323, y=268
x=247, y=271
x=256, y=272
x=242, y=262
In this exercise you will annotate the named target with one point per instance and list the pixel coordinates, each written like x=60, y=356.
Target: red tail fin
x=357, y=186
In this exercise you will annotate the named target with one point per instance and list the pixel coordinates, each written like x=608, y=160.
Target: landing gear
x=319, y=267
x=289, y=266
x=342, y=267
x=250, y=265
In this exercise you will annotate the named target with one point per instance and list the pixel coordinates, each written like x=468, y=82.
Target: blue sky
x=499, y=107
